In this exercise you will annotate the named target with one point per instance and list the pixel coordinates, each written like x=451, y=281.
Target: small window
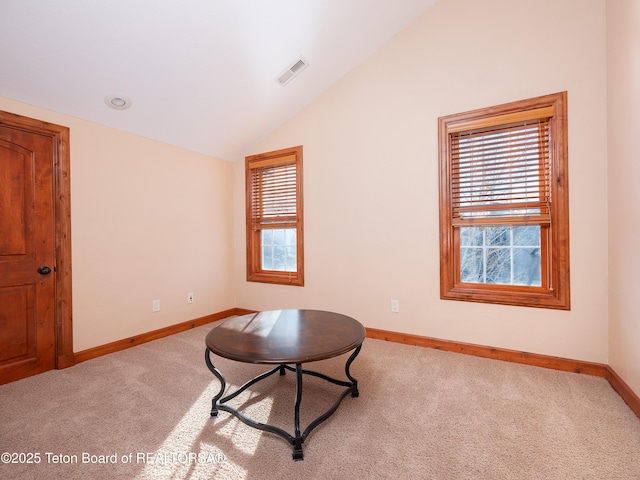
x=504, y=213
x=275, y=251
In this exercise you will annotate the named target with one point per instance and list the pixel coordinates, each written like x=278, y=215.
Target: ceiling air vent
x=294, y=69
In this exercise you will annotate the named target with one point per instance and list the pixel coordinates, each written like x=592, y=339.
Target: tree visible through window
x=274, y=217
x=508, y=255
x=504, y=225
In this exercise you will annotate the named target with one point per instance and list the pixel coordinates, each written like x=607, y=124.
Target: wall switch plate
x=156, y=306
x=395, y=306
x=190, y=297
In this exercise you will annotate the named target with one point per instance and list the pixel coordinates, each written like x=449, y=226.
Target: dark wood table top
x=285, y=336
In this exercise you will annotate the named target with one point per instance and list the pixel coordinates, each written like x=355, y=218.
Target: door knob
x=44, y=270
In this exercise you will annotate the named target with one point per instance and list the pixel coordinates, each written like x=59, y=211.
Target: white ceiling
x=200, y=73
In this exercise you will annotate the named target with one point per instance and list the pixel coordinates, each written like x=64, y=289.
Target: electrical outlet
x=156, y=306
x=395, y=306
x=190, y=297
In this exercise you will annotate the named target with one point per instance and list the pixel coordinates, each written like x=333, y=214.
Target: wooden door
x=27, y=254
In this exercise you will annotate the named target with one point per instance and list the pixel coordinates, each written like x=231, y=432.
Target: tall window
x=275, y=251
x=504, y=207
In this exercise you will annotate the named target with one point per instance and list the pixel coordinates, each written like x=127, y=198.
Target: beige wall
x=154, y=221
x=149, y=221
x=623, y=89
x=371, y=184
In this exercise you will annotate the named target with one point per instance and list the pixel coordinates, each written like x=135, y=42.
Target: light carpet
x=143, y=413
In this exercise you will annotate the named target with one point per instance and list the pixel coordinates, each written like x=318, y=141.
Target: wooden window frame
x=555, y=290
x=255, y=272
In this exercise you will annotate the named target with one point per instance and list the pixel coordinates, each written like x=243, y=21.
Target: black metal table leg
x=354, y=393
x=296, y=440
x=223, y=384
x=297, y=444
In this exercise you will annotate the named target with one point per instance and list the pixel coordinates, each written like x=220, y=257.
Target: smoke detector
x=292, y=71
x=117, y=102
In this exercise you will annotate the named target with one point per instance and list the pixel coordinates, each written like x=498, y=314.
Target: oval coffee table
x=285, y=338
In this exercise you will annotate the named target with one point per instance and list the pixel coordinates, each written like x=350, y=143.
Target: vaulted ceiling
x=199, y=74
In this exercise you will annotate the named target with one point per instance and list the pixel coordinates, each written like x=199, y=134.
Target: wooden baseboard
x=555, y=363
x=545, y=361
x=243, y=311
x=624, y=391
x=534, y=359
x=125, y=343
